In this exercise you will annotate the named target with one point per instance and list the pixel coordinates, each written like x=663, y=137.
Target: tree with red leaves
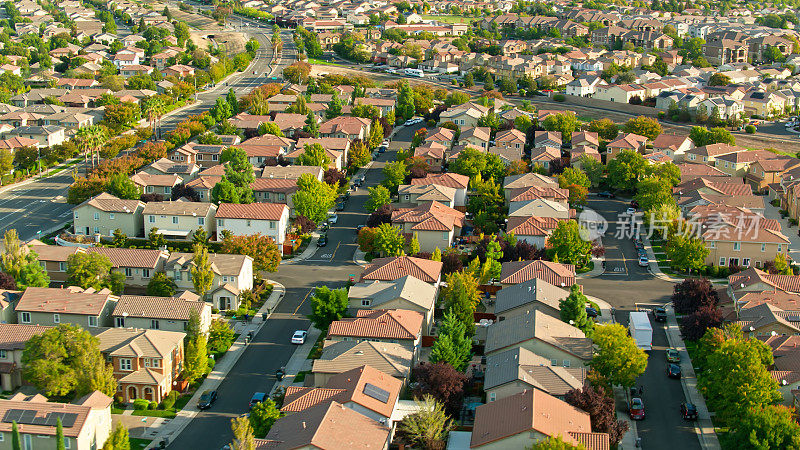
x=451, y=261
x=695, y=325
x=7, y=282
x=305, y=224
x=693, y=293
x=333, y=177
x=442, y=382
x=181, y=190
x=381, y=215
x=600, y=407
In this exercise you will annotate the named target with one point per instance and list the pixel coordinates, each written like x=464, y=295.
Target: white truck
x=641, y=330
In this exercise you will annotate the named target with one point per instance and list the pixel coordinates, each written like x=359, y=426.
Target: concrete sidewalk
x=630, y=438
x=656, y=270
x=299, y=361
x=703, y=426
x=307, y=253
x=170, y=429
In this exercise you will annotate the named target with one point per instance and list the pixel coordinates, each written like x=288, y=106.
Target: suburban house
x=465, y=116
x=514, y=184
x=346, y=127
x=268, y=219
x=54, y=259
x=516, y=370
x=179, y=219
x=477, y=137
x=51, y=306
x=531, y=416
x=557, y=274
x=708, y=153
x=146, y=362
x=86, y=422
x=673, y=145
x=434, y=224
x=452, y=180
x=730, y=243
x=419, y=194
x=161, y=313
x=395, y=267
x=627, y=141
x=341, y=356
x=46, y=135
x=532, y=229
x=534, y=294
x=232, y=275
x=540, y=207
x=137, y=264
x=764, y=172
x=364, y=389
x=156, y=184
x=406, y=293
x=105, y=213
x=398, y=326
x=13, y=338
x=547, y=336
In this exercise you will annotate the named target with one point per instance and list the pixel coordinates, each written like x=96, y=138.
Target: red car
x=636, y=408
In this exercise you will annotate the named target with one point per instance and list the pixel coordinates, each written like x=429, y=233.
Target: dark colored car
x=636, y=408
x=257, y=398
x=591, y=312
x=606, y=194
x=325, y=226
x=359, y=228
x=207, y=398
x=674, y=371
x=340, y=206
x=660, y=314
x=688, y=411
x=381, y=149
x=634, y=204
x=322, y=241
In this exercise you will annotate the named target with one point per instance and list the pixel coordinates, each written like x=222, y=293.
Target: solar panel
x=377, y=393
x=40, y=420
x=27, y=416
x=69, y=419
x=12, y=415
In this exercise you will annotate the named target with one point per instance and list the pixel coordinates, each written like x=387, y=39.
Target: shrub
x=750, y=129
x=661, y=115
x=169, y=401
x=152, y=405
x=140, y=404
x=211, y=364
x=559, y=97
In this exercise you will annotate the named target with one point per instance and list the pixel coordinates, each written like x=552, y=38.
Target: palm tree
x=154, y=108
x=90, y=139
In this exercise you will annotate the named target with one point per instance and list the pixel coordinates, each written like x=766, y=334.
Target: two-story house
x=451, y=180
x=50, y=306
x=161, y=313
x=406, y=293
x=105, y=213
x=268, y=219
x=232, y=275
x=156, y=184
x=346, y=127
x=434, y=224
x=179, y=219
x=13, y=338
x=137, y=264
x=396, y=326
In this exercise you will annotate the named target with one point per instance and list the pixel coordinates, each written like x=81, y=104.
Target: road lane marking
x=304, y=300
x=334, y=251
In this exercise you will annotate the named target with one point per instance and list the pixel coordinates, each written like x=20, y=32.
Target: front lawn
x=139, y=443
x=166, y=413
x=316, y=351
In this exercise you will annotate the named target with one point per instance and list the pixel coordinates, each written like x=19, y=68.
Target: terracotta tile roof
x=71, y=300
x=167, y=308
x=530, y=410
x=55, y=253
x=592, y=441
x=285, y=186
x=714, y=150
x=44, y=409
x=669, y=141
x=391, y=359
x=512, y=135
x=628, y=141
x=344, y=124
x=588, y=136
x=690, y=171
x=533, y=192
x=290, y=172
x=255, y=151
x=351, y=386
x=448, y=179
x=95, y=400
x=514, y=272
x=778, y=164
x=328, y=426
x=748, y=277
x=256, y=211
x=179, y=208
x=407, y=288
x=109, y=203
x=131, y=257
x=532, y=226
x=430, y=216
x=137, y=343
x=430, y=150
x=221, y=264
x=394, y=267
x=379, y=324
x=14, y=336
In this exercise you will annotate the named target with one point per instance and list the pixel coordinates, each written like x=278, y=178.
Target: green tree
x=389, y=241
x=242, y=434
x=643, y=126
x=6, y=161
x=571, y=176
x=93, y=270
x=378, y=196
x=452, y=345
x=593, y=169
x=196, y=358
x=460, y=297
x=618, y=359
x=375, y=134
x=312, y=126
x=414, y=246
x=359, y=155
x=405, y=101
x=652, y=192
x=566, y=243
x=626, y=170
x=120, y=239
x=605, y=128
x=202, y=275
x=394, y=174
x=123, y=187
x=262, y=416
x=59, y=434
x=21, y=263
x=686, y=253
x=15, y=440
x=313, y=198
x=429, y=426
x=488, y=83
x=314, y=155
x=565, y=122
x=66, y=361
x=523, y=123
x=161, y=285
x=270, y=128
x=221, y=110
x=719, y=79
x=469, y=81
x=437, y=255
x=220, y=336
x=703, y=136
x=780, y=265
x=119, y=439
x=232, y=101
x=334, y=107
x=327, y=306
x=573, y=311
x=556, y=443
x=764, y=427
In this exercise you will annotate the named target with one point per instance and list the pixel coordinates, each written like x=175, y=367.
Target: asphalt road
x=270, y=348
x=626, y=285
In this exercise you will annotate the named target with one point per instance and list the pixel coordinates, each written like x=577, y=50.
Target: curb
x=212, y=381
x=307, y=253
x=36, y=178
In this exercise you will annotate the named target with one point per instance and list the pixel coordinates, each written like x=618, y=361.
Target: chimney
x=304, y=424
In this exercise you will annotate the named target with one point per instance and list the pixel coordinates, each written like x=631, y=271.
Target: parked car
x=643, y=261
x=324, y=227
x=673, y=355
x=660, y=314
x=385, y=143
x=408, y=122
x=257, y=398
x=636, y=408
x=688, y=411
x=333, y=218
x=340, y=206
x=630, y=211
x=606, y=194
x=207, y=398
x=322, y=241
x=360, y=227
x=381, y=149
x=299, y=337
x=591, y=312
x=674, y=371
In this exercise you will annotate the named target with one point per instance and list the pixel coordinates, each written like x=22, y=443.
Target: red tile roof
x=748, y=277
x=255, y=211
x=515, y=272
x=452, y=180
x=430, y=216
x=379, y=324
x=532, y=226
x=394, y=267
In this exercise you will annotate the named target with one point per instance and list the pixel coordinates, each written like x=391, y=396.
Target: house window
x=119, y=322
x=712, y=244
x=271, y=224
x=2, y=437
x=722, y=261
x=110, y=216
x=366, y=302
x=96, y=216
x=737, y=246
x=92, y=321
x=3, y=354
x=145, y=273
x=201, y=220
x=248, y=222
x=763, y=247
x=154, y=325
x=492, y=396
x=66, y=442
x=220, y=222
x=155, y=362
x=96, y=230
x=566, y=363
x=746, y=262
x=150, y=189
x=56, y=318
x=175, y=219
x=176, y=275
x=214, y=157
x=167, y=190
x=758, y=264
x=554, y=362
x=780, y=248
x=62, y=267
x=445, y=235
x=128, y=272
x=25, y=317
x=151, y=219
x=125, y=364
x=76, y=215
